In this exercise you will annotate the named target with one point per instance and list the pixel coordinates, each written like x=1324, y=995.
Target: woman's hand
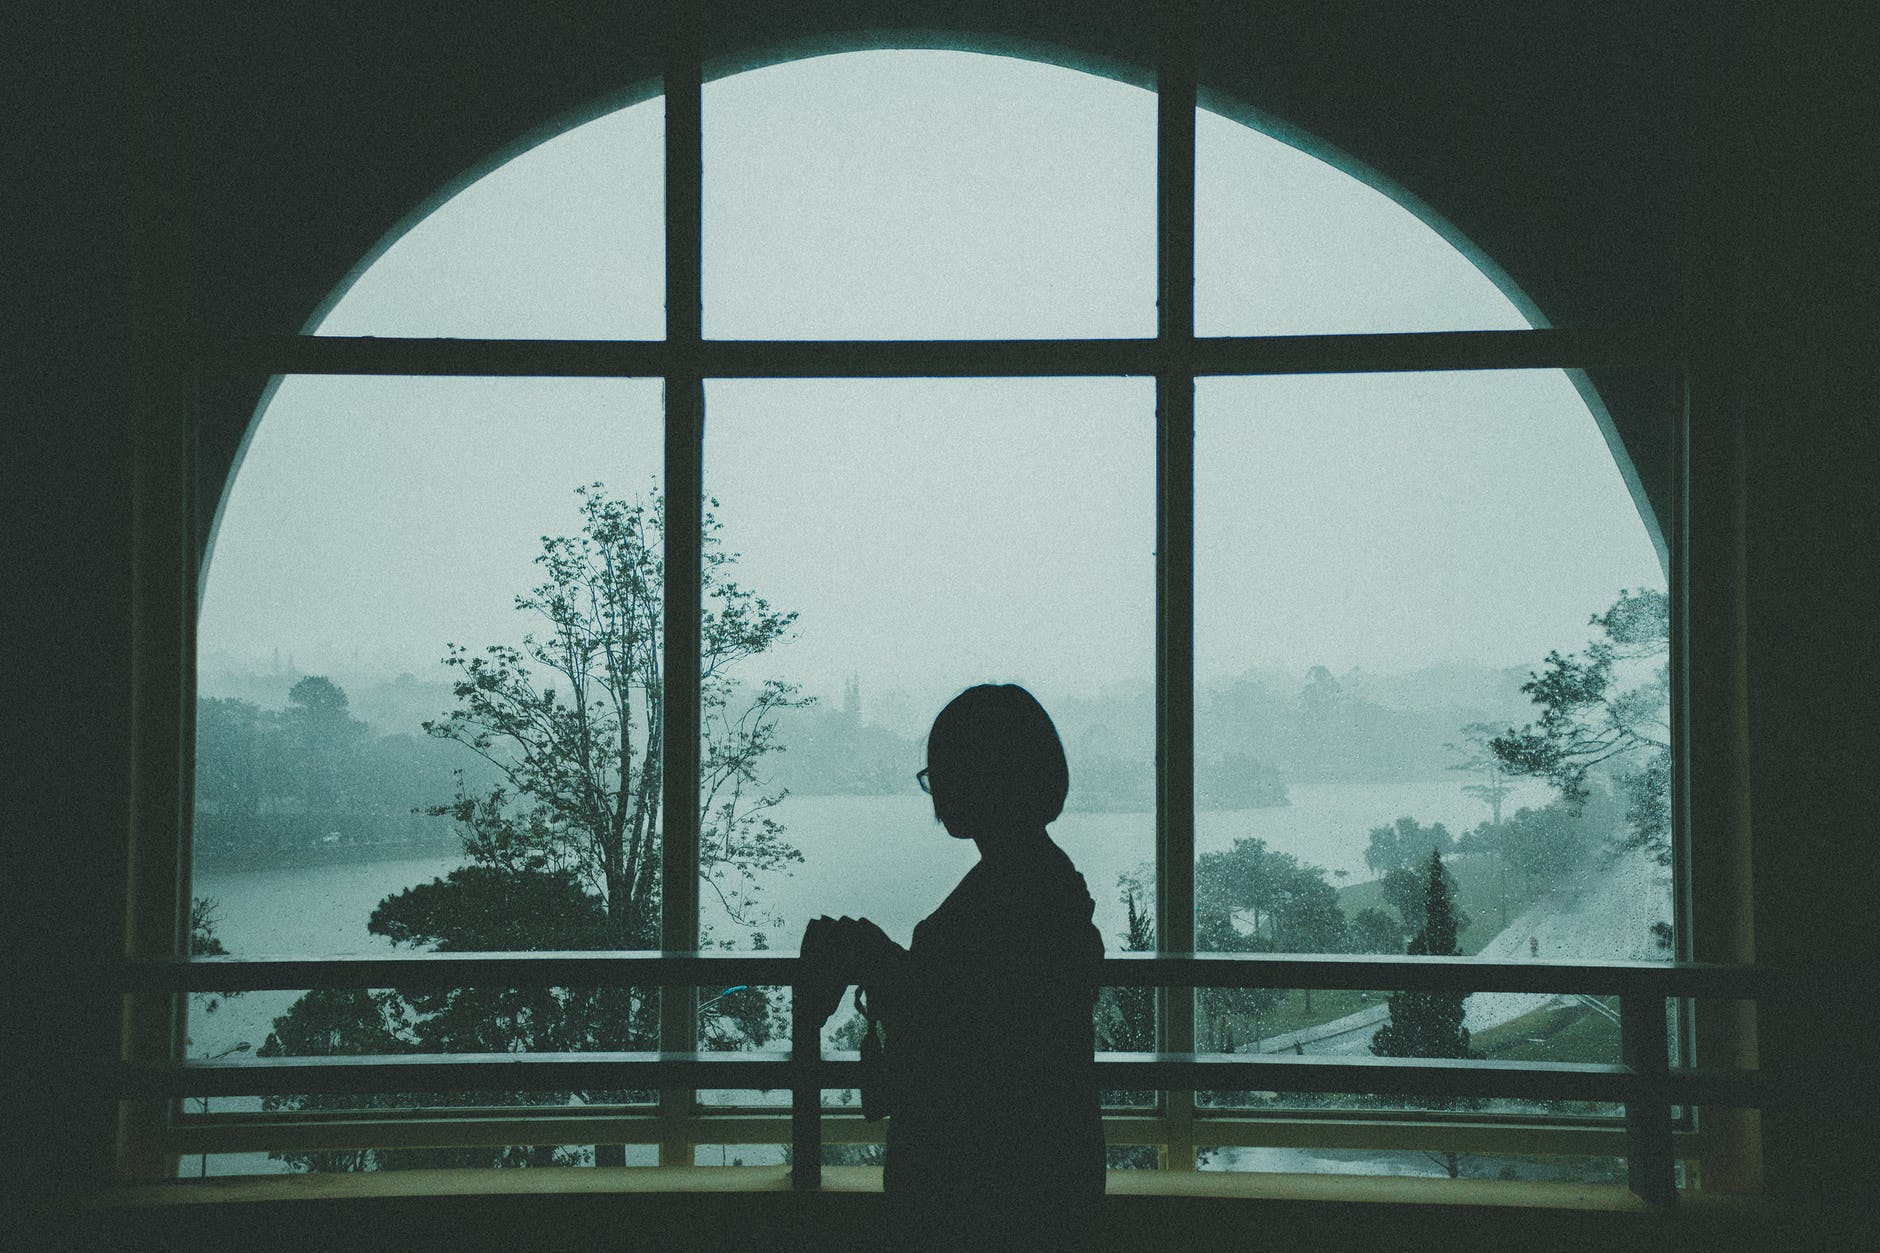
x=877, y=958
x=839, y=951
x=821, y=956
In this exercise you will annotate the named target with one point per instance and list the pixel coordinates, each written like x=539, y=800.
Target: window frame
x=684, y=360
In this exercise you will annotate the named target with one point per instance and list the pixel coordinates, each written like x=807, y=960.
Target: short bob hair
x=995, y=759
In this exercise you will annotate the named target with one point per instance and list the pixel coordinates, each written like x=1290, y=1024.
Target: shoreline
x=334, y=855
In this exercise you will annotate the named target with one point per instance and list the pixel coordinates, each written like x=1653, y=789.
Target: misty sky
x=933, y=533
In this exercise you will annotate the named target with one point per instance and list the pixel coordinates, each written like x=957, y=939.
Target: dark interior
x=1701, y=170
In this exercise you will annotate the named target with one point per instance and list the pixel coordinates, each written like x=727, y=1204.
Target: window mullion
x=684, y=490
x=1175, y=268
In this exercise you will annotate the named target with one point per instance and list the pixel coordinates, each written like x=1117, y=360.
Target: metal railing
x=1644, y=1082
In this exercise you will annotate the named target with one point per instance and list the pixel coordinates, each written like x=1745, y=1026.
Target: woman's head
x=994, y=760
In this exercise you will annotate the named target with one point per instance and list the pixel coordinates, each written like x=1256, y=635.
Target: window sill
x=863, y=1180
x=680, y=1210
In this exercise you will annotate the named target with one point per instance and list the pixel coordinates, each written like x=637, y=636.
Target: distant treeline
x=324, y=769
x=1356, y=727
x=310, y=776
x=831, y=752
x=1253, y=736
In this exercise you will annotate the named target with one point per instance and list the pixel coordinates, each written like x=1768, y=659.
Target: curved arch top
x=1305, y=253
x=1097, y=151
x=1572, y=193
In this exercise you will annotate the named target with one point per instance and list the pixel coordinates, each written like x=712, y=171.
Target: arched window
x=433, y=592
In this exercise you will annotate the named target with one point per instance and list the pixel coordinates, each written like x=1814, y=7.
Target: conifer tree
x=1429, y=1024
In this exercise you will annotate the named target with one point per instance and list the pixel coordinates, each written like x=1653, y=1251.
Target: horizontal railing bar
x=250, y=1133
x=438, y=970
x=428, y=1132
x=475, y=1072
x=479, y=1072
x=1418, y=1076
x=1226, y=355
x=709, y=1116
x=1318, y=972
x=1343, y=972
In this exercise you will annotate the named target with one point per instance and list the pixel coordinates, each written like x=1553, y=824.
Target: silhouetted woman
x=994, y=1135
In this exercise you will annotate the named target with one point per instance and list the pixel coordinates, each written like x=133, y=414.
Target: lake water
x=876, y=856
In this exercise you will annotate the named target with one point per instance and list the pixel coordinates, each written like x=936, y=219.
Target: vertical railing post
x=1644, y=1046
x=805, y=1098
x=1174, y=549
x=683, y=524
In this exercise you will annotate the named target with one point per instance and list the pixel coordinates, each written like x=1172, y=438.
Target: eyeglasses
x=921, y=779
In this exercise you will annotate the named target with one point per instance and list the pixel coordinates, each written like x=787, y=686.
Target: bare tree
x=573, y=720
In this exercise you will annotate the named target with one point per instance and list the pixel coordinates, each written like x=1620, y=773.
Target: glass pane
x=564, y=240
x=1397, y=576
x=327, y=1161
x=401, y=552
x=1417, y=1163
x=851, y=1141
x=740, y=1154
x=410, y=1022
x=928, y=535
x=1289, y=244
x=923, y=536
x=741, y=1018
x=928, y=194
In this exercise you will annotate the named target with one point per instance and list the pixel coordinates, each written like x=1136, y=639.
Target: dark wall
x=63, y=120
x=1810, y=380
x=1541, y=134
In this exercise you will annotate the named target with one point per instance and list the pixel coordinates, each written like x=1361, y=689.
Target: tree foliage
x=322, y=736
x=1548, y=844
x=1251, y=899
x=1126, y=1016
x=204, y=919
x=1476, y=755
x=562, y=852
x=573, y=719
x=1403, y=889
x=1408, y=892
x=1374, y=931
x=308, y=775
x=1429, y=1024
x=1405, y=844
x=1606, y=710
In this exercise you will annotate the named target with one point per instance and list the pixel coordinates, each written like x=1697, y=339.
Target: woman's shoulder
x=1040, y=886
x=1061, y=873
x=1048, y=893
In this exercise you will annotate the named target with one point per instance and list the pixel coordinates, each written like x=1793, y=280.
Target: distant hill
x=1486, y=694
